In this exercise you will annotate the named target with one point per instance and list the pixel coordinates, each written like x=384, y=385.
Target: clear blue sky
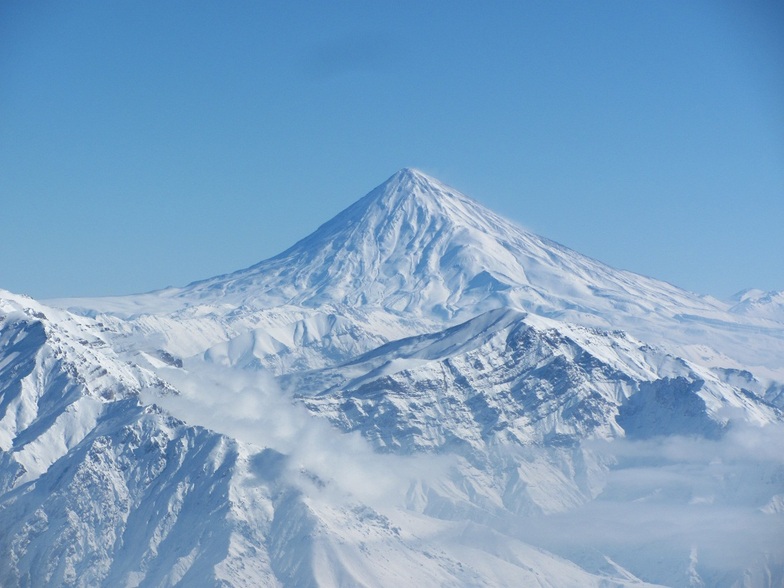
x=147, y=143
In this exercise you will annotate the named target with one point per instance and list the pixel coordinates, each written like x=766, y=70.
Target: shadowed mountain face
x=420, y=392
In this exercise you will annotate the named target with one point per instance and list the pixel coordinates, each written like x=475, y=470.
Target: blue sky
x=146, y=144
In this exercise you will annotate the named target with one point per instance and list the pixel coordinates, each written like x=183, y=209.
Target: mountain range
x=419, y=392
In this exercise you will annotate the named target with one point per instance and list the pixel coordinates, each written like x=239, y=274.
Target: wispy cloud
x=675, y=506
x=672, y=508
x=250, y=407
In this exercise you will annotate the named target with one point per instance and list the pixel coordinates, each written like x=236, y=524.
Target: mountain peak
x=418, y=247
x=409, y=172
x=413, y=244
x=411, y=184
x=411, y=175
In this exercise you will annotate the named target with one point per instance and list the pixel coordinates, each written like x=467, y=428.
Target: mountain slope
x=525, y=379
x=418, y=392
x=756, y=303
x=418, y=246
x=415, y=254
x=100, y=489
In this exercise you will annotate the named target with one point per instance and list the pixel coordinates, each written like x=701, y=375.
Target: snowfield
x=420, y=393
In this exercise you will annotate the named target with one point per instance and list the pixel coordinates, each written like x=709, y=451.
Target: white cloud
x=670, y=507
x=670, y=500
x=250, y=407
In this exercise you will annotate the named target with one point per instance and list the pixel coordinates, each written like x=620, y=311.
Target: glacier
x=419, y=392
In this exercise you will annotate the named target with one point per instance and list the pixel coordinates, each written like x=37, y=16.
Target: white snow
x=418, y=393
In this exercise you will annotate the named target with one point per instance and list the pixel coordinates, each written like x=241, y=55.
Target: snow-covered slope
x=415, y=254
x=420, y=392
x=523, y=379
x=756, y=303
x=57, y=375
x=417, y=246
x=100, y=489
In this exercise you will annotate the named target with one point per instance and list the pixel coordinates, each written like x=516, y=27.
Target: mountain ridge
x=417, y=250
x=418, y=390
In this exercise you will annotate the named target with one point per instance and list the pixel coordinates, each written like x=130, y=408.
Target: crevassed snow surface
x=418, y=393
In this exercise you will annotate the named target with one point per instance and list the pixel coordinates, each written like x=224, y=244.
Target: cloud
x=671, y=509
x=250, y=407
x=675, y=506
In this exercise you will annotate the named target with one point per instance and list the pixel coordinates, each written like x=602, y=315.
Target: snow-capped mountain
x=769, y=305
x=418, y=247
x=415, y=254
x=420, y=392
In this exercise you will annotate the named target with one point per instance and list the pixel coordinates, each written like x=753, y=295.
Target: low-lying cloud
x=675, y=510
x=250, y=407
x=681, y=510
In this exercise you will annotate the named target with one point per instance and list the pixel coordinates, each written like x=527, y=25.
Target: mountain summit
x=410, y=183
x=415, y=245
x=412, y=245
x=415, y=249
x=421, y=249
